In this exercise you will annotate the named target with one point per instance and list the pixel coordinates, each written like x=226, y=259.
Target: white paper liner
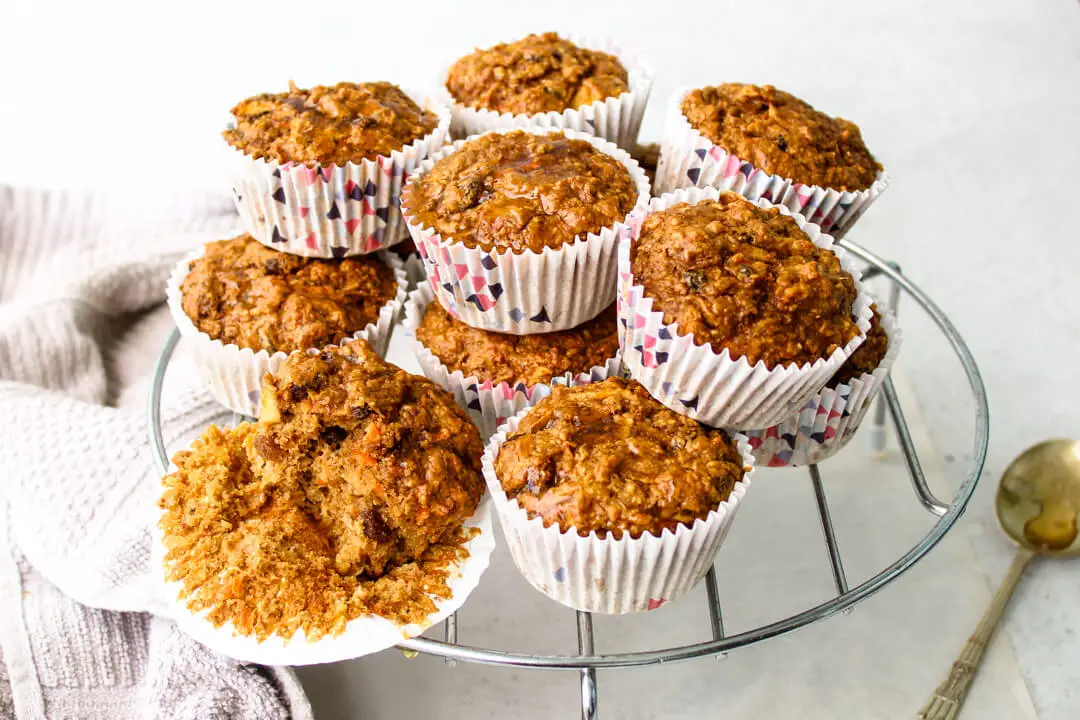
x=606, y=575
x=713, y=388
x=527, y=292
x=334, y=211
x=829, y=419
x=617, y=119
x=234, y=374
x=362, y=636
x=488, y=405
x=414, y=270
x=689, y=159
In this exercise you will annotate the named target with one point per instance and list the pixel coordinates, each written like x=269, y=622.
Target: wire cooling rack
x=587, y=661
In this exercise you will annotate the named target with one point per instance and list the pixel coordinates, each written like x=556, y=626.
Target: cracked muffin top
x=242, y=292
x=530, y=359
x=537, y=74
x=518, y=191
x=745, y=279
x=609, y=458
x=335, y=125
x=782, y=135
x=348, y=497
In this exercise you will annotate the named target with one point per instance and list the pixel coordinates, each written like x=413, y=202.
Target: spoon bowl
x=1038, y=498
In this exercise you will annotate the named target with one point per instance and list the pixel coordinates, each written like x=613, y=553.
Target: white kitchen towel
x=79, y=637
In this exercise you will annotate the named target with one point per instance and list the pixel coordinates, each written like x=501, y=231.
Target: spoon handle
x=949, y=696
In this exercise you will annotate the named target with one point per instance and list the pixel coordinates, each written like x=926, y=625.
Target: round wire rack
x=587, y=661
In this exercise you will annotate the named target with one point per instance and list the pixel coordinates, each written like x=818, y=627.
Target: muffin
x=746, y=280
x=537, y=74
x=494, y=375
x=550, y=81
x=829, y=419
x=782, y=135
x=766, y=143
x=348, y=498
x=518, y=191
x=518, y=228
x=737, y=312
x=243, y=308
x=610, y=501
x=337, y=125
x=319, y=172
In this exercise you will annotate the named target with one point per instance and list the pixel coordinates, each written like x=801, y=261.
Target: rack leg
x=716, y=616
x=588, y=675
x=451, y=636
x=877, y=432
x=827, y=529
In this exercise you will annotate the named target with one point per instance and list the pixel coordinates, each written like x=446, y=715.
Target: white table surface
x=972, y=106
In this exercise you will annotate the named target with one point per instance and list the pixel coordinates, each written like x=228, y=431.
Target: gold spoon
x=1037, y=502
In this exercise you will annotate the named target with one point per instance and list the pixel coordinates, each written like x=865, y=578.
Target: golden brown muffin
x=537, y=74
x=329, y=125
x=745, y=279
x=782, y=135
x=347, y=498
x=608, y=457
x=530, y=359
x=867, y=356
x=518, y=191
x=242, y=292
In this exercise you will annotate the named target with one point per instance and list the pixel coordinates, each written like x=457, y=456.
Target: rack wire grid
x=587, y=661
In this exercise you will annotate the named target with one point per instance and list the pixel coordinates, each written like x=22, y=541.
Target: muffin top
x=242, y=292
x=745, y=279
x=530, y=359
x=783, y=135
x=348, y=122
x=518, y=191
x=537, y=74
x=392, y=459
x=347, y=498
x=867, y=356
x=608, y=457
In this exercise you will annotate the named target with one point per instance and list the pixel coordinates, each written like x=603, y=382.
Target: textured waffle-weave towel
x=81, y=631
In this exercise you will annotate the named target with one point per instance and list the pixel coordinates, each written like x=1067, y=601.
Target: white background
x=973, y=107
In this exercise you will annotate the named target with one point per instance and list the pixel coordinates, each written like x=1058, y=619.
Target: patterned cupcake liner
x=829, y=419
x=714, y=388
x=602, y=574
x=235, y=374
x=527, y=292
x=689, y=159
x=361, y=636
x=488, y=404
x=329, y=211
x=617, y=119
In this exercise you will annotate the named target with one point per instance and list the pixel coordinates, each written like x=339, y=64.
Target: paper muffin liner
x=829, y=419
x=329, y=211
x=414, y=270
x=617, y=119
x=527, y=292
x=364, y=635
x=488, y=404
x=689, y=159
x=713, y=388
x=235, y=374
x=602, y=574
